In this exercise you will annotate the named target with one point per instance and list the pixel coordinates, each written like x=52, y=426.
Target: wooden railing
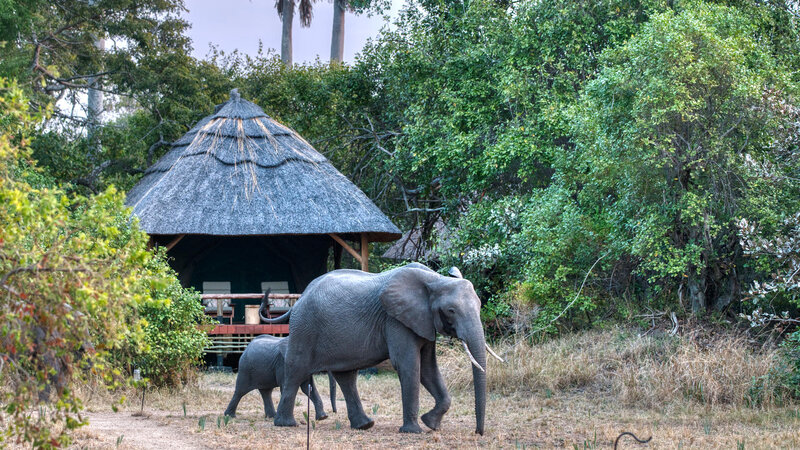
x=292, y=297
x=235, y=337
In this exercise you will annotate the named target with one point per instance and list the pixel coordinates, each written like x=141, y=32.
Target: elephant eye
x=446, y=324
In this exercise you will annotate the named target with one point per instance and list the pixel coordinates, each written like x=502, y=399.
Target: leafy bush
x=791, y=374
x=76, y=284
x=172, y=342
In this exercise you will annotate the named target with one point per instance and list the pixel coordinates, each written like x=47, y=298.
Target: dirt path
x=191, y=419
x=108, y=429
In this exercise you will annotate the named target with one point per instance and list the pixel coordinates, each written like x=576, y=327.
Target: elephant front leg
x=407, y=362
x=266, y=397
x=355, y=412
x=432, y=380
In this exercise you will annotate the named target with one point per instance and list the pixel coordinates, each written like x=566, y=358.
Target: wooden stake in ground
x=308, y=418
x=137, y=377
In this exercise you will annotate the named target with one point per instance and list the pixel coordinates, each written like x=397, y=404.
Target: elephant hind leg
x=355, y=412
x=284, y=416
x=266, y=396
x=313, y=394
x=433, y=382
x=234, y=403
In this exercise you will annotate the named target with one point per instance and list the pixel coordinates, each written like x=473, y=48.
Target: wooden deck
x=234, y=338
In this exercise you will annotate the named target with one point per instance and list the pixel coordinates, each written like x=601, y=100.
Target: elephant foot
x=411, y=428
x=231, y=414
x=284, y=422
x=322, y=416
x=364, y=424
x=432, y=419
x=269, y=415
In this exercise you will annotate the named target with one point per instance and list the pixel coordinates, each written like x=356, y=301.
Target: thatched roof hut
x=240, y=182
x=238, y=172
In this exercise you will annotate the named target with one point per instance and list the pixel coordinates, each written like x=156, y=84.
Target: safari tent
x=243, y=203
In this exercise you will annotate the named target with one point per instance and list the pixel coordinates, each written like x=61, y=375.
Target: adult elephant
x=348, y=320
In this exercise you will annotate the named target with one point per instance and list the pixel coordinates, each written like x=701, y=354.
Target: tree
x=340, y=7
x=285, y=10
x=663, y=136
x=94, y=107
x=337, y=33
x=80, y=294
x=52, y=50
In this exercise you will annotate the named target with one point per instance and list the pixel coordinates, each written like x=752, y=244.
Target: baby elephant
x=261, y=367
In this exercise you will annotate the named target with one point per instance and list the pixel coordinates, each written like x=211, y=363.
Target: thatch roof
x=239, y=172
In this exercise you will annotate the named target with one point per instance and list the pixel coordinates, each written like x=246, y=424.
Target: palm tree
x=286, y=12
x=337, y=35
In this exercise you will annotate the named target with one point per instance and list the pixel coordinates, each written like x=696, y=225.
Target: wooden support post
x=364, y=253
x=337, y=256
x=346, y=247
x=175, y=241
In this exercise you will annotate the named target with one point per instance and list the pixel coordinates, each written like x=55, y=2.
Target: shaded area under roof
x=238, y=172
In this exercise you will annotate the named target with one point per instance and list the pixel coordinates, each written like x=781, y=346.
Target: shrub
x=77, y=284
x=172, y=343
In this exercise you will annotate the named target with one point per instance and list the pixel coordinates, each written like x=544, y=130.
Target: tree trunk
x=286, y=37
x=697, y=291
x=94, y=108
x=726, y=287
x=337, y=35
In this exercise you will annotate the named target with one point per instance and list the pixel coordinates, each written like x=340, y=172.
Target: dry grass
x=581, y=390
x=639, y=371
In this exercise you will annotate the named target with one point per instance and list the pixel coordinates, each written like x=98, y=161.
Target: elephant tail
x=332, y=390
x=264, y=309
x=282, y=319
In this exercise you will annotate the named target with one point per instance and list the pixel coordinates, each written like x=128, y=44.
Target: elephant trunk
x=477, y=347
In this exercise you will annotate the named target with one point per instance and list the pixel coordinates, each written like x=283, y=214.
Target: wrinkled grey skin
x=262, y=367
x=348, y=320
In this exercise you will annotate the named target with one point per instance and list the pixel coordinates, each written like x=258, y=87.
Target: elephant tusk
x=471, y=358
x=494, y=354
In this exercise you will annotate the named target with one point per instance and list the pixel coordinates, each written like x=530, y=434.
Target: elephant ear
x=406, y=298
x=416, y=265
x=455, y=273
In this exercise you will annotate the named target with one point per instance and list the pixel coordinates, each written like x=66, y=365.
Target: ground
x=573, y=419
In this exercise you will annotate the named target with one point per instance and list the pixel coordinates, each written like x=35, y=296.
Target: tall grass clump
x=645, y=371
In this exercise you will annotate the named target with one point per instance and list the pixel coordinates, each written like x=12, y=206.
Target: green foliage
x=544, y=241
x=791, y=373
x=662, y=135
x=172, y=343
x=51, y=50
x=638, y=129
x=76, y=284
x=153, y=85
x=477, y=90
